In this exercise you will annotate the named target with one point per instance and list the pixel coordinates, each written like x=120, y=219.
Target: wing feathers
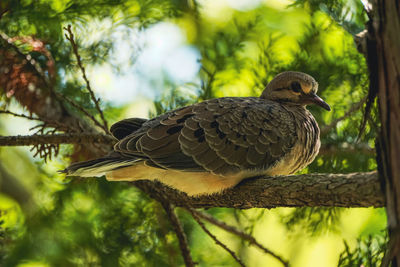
x=126, y=127
x=220, y=135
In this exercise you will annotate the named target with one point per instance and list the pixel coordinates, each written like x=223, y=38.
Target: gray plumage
x=272, y=134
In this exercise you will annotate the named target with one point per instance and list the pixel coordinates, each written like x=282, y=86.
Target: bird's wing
x=125, y=127
x=222, y=135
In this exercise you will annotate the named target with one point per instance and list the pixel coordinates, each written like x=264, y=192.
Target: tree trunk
x=383, y=55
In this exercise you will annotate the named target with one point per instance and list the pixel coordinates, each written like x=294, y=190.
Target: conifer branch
x=237, y=232
x=81, y=109
x=38, y=139
x=96, y=101
x=305, y=190
x=329, y=190
x=19, y=115
x=216, y=240
x=180, y=234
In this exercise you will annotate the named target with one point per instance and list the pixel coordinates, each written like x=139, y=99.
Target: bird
x=210, y=146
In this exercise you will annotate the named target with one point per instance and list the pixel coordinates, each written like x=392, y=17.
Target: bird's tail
x=97, y=167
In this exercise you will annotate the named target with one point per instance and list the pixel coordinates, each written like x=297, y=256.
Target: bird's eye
x=296, y=87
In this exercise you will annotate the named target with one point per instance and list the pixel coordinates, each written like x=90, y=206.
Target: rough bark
x=328, y=190
x=80, y=138
x=383, y=56
x=340, y=190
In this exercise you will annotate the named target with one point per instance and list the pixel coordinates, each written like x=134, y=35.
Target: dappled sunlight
x=143, y=58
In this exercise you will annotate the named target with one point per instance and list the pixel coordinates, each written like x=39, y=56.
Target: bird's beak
x=312, y=98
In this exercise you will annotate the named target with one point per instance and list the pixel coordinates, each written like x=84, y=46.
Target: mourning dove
x=210, y=146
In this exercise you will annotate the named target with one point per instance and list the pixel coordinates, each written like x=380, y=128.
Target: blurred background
x=143, y=58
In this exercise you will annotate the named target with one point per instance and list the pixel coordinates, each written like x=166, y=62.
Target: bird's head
x=294, y=87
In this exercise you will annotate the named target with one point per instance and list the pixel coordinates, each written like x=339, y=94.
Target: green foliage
x=93, y=222
x=349, y=14
x=369, y=252
x=3, y=234
x=173, y=98
x=96, y=223
x=45, y=20
x=313, y=220
x=10, y=231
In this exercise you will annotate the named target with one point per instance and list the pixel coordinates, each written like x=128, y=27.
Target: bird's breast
x=305, y=148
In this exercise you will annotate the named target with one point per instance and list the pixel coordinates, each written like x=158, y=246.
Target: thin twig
x=80, y=108
x=29, y=140
x=164, y=226
x=180, y=234
x=201, y=224
x=19, y=115
x=56, y=125
x=238, y=233
x=2, y=12
x=70, y=38
x=351, y=110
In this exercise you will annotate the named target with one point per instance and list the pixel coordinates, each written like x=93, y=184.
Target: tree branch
x=81, y=109
x=340, y=190
x=19, y=115
x=238, y=233
x=51, y=110
x=96, y=101
x=180, y=234
x=216, y=240
x=30, y=140
x=4, y=11
x=306, y=190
